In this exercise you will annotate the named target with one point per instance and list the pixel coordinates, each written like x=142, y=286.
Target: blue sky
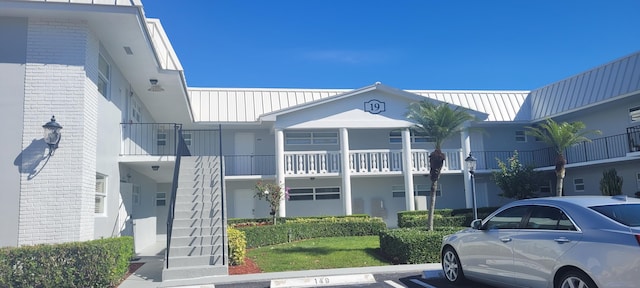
x=407, y=44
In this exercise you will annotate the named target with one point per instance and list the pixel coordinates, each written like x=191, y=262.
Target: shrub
x=413, y=245
x=300, y=229
x=611, y=183
x=441, y=218
x=237, y=246
x=97, y=263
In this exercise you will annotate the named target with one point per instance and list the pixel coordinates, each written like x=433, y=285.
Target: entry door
x=244, y=149
x=125, y=209
x=244, y=204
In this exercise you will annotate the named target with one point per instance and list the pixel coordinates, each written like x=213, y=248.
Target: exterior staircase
x=197, y=247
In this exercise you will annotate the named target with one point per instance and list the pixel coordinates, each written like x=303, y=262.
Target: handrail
x=181, y=150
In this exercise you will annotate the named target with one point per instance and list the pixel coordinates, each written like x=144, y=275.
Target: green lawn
x=319, y=253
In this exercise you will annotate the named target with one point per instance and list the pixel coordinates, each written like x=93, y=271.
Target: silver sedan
x=554, y=242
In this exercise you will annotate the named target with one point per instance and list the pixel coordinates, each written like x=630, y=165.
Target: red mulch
x=132, y=268
x=249, y=267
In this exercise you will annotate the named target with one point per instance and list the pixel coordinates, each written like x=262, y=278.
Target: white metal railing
x=377, y=161
x=311, y=162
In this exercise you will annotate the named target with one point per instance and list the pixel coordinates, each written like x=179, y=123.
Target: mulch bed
x=249, y=267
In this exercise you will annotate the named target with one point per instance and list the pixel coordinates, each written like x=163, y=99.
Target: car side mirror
x=476, y=224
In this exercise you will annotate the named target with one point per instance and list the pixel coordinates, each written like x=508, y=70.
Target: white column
x=282, y=212
x=407, y=171
x=466, y=148
x=346, y=170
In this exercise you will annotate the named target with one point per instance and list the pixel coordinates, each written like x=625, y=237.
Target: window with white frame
x=135, y=111
x=187, y=138
x=638, y=181
x=310, y=194
x=634, y=114
x=418, y=190
x=545, y=189
x=578, y=184
x=311, y=138
x=161, y=199
x=395, y=136
x=521, y=136
x=162, y=138
x=136, y=195
x=104, y=76
x=101, y=194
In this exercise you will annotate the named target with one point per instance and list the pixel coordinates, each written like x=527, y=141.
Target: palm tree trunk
x=432, y=204
x=560, y=172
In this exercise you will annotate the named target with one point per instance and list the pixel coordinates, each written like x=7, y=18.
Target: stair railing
x=181, y=150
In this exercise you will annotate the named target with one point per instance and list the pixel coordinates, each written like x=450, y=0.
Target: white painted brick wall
x=56, y=202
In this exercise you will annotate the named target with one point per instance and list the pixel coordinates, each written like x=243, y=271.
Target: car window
x=507, y=219
x=549, y=218
x=626, y=214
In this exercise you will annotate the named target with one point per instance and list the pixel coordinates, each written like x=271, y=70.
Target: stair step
x=195, y=231
x=191, y=198
x=195, y=241
x=187, y=261
x=196, y=214
x=193, y=272
x=197, y=206
x=202, y=222
x=206, y=250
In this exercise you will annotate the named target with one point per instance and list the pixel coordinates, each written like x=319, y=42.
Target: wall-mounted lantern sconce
x=155, y=167
x=52, y=134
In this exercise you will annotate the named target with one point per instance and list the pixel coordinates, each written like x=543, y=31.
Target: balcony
x=159, y=139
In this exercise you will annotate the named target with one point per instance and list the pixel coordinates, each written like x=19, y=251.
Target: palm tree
x=560, y=136
x=439, y=122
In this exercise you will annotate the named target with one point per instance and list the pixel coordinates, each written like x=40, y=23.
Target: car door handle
x=505, y=239
x=562, y=240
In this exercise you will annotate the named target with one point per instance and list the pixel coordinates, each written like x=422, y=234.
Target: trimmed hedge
x=413, y=245
x=442, y=217
x=312, y=227
x=97, y=263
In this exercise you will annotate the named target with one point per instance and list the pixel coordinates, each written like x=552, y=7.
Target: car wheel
x=576, y=279
x=451, y=266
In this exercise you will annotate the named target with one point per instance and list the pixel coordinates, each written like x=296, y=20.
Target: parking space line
x=394, y=284
x=425, y=285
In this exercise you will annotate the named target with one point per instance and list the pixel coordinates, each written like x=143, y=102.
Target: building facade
x=111, y=78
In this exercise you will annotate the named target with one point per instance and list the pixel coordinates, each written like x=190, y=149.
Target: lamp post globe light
x=471, y=162
x=52, y=134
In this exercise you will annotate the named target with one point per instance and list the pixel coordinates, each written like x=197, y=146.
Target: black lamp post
x=471, y=167
x=52, y=134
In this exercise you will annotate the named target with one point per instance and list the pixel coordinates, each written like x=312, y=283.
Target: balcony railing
x=159, y=139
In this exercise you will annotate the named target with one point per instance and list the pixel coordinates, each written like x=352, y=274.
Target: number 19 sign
x=374, y=106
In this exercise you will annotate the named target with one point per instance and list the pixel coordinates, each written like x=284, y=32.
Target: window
x=162, y=138
x=308, y=138
x=301, y=194
x=545, y=189
x=507, y=219
x=395, y=136
x=161, y=199
x=520, y=136
x=136, y=195
x=626, y=214
x=104, y=76
x=578, y=185
x=634, y=114
x=638, y=181
x=549, y=218
x=101, y=194
x=135, y=111
x=418, y=190
x=187, y=138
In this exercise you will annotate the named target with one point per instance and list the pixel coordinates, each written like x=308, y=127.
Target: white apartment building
x=112, y=80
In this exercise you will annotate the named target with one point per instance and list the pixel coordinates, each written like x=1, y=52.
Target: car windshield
x=627, y=214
